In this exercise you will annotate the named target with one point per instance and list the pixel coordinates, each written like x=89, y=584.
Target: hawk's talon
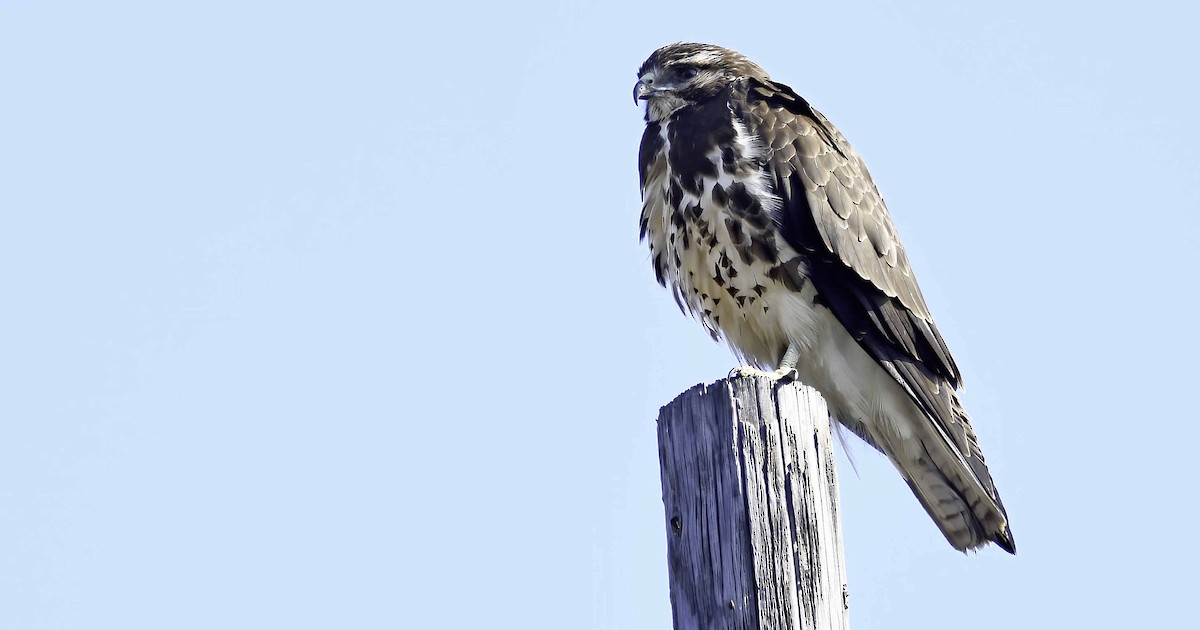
x=782, y=375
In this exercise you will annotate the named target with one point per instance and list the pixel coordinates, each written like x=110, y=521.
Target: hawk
x=766, y=226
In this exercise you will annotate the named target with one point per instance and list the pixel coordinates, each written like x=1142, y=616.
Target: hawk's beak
x=641, y=91
x=645, y=88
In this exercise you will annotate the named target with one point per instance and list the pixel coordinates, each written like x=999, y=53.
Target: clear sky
x=334, y=316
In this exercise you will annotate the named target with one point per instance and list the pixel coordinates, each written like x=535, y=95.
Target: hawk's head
x=682, y=74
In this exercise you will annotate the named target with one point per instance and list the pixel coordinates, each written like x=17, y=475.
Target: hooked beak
x=641, y=91
x=645, y=89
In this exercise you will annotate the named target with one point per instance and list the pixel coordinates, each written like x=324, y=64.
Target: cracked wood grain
x=750, y=497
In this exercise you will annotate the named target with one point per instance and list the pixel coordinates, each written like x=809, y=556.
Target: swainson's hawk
x=765, y=224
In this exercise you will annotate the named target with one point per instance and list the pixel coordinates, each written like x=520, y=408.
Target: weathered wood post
x=750, y=491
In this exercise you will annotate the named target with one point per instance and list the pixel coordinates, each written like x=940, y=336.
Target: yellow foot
x=782, y=375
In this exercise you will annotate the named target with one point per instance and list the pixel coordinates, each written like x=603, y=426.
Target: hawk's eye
x=688, y=73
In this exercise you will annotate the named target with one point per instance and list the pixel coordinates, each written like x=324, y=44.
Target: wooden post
x=753, y=535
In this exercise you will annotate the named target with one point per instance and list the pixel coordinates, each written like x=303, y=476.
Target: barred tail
x=958, y=492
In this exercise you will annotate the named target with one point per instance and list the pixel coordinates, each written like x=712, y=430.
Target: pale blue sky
x=335, y=316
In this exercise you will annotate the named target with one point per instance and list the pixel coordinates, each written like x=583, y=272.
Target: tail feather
x=957, y=491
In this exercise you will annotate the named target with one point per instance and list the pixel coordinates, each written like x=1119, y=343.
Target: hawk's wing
x=832, y=212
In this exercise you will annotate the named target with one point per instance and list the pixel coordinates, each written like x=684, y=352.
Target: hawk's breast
x=711, y=218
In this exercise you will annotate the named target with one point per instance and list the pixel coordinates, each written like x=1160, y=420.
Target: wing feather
x=832, y=211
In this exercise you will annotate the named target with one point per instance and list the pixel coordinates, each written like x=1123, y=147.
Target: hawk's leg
x=785, y=373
